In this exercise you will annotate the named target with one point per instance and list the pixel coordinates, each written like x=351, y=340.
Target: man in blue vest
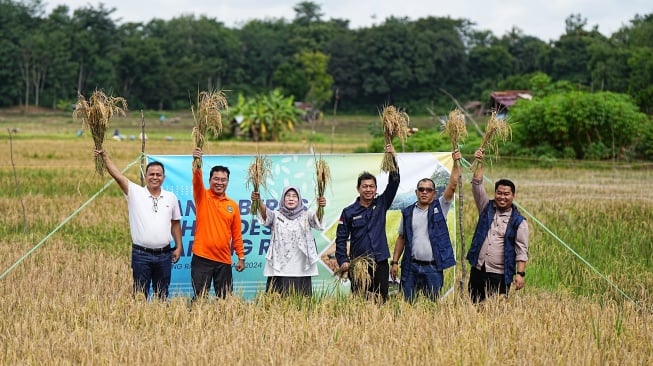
x=424, y=238
x=499, y=249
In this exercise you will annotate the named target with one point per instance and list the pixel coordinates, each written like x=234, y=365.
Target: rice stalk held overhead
x=207, y=115
x=323, y=177
x=496, y=130
x=395, y=124
x=257, y=175
x=456, y=129
x=95, y=114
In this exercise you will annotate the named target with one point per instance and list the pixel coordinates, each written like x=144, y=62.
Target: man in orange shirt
x=217, y=233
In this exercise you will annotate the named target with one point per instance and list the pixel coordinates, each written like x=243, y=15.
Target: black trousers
x=204, y=271
x=379, y=285
x=483, y=284
x=290, y=285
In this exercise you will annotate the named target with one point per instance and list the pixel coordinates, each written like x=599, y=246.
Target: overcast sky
x=542, y=19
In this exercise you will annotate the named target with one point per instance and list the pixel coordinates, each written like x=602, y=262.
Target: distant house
x=501, y=101
x=475, y=108
x=310, y=113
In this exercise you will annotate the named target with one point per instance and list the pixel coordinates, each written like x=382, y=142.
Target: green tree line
x=48, y=59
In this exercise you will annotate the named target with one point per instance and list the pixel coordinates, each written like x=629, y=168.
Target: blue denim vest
x=438, y=236
x=482, y=228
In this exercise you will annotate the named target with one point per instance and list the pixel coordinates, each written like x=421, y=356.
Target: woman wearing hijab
x=292, y=256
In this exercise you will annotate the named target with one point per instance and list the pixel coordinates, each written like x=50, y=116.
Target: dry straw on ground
x=207, y=116
x=496, y=130
x=257, y=176
x=95, y=114
x=395, y=124
x=323, y=177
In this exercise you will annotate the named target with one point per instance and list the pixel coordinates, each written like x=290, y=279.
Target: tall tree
x=141, y=68
x=94, y=47
x=439, y=59
x=608, y=66
x=488, y=65
x=50, y=50
x=28, y=45
x=629, y=61
x=571, y=55
x=200, y=54
x=528, y=52
x=344, y=51
x=16, y=18
x=61, y=71
x=307, y=12
x=640, y=83
x=638, y=34
x=264, y=49
x=384, y=64
x=319, y=81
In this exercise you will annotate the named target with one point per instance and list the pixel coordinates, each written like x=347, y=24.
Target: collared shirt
x=218, y=224
x=422, y=249
x=491, y=253
x=150, y=217
x=364, y=227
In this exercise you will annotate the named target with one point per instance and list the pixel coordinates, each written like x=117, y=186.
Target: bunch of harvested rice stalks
x=95, y=114
x=257, y=176
x=359, y=271
x=208, y=118
x=456, y=129
x=323, y=177
x=395, y=124
x=495, y=130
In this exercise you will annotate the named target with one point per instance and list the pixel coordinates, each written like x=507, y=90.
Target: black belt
x=165, y=249
x=423, y=263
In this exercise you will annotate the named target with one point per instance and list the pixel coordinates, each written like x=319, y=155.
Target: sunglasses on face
x=425, y=189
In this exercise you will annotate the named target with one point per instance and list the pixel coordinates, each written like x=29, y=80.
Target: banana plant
x=268, y=116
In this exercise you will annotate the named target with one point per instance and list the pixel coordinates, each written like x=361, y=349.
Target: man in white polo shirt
x=154, y=216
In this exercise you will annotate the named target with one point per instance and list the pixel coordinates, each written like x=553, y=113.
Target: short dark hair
x=365, y=176
x=155, y=163
x=505, y=182
x=219, y=168
x=426, y=180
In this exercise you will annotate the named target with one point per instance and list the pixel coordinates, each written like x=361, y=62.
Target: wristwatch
x=523, y=274
x=392, y=263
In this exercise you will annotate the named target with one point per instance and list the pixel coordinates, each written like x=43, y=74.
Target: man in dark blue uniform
x=363, y=224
